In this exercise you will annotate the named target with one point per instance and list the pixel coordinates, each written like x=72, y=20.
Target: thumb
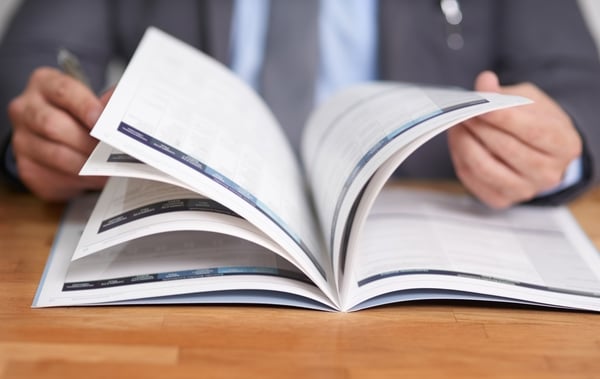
x=487, y=81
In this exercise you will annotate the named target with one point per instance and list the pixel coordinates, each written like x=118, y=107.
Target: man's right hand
x=51, y=120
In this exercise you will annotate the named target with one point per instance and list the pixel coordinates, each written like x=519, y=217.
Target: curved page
x=108, y=161
x=132, y=208
x=356, y=132
x=186, y=115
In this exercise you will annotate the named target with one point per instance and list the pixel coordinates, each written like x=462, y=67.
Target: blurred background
x=590, y=8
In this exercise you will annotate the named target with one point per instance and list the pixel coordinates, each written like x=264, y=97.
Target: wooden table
x=416, y=340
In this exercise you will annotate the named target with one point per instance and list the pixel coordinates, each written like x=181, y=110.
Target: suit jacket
x=542, y=41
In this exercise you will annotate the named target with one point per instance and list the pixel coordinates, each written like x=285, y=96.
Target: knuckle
x=500, y=203
x=57, y=153
x=463, y=169
x=48, y=126
x=18, y=142
x=529, y=193
x=46, y=193
x=28, y=174
x=465, y=162
x=524, y=192
x=575, y=149
x=511, y=192
x=460, y=169
x=534, y=134
x=505, y=118
x=38, y=75
x=479, y=167
x=511, y=149
x=33, y=176
x=86, y=106
x=495, y=200
x=550, y=178
x=61, y=89
x=66, y=160
x=15, y=109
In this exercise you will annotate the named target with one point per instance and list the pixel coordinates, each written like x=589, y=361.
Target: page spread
x=208, y=203
x=416, y=245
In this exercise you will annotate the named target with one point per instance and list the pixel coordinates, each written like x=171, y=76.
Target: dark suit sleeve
x=37, y=31
x=546, y=42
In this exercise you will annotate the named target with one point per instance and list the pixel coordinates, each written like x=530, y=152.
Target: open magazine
x=207, y=203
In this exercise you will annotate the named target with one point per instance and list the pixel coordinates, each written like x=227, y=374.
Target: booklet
x=208, y=203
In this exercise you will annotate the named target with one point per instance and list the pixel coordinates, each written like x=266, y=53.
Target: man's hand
x=509, y=156
x=51, y=121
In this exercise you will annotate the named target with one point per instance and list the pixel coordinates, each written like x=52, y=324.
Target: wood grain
x=416, y=340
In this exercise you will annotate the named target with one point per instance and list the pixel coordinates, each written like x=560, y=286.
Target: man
x=546, y=152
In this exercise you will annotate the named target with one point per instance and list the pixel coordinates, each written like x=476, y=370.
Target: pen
x=70, y=65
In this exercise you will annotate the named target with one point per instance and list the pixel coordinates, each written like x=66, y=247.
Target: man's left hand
x=511, y=155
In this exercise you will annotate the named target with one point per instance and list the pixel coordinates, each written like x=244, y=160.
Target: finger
x=487, y=81
x=106, y=96
x=546, y=134
x=55, y=125
x=69, y=94
x=46, y=153
x=52, y=185
x=514, y=120
x=483, y=174
x=484, y=193
x=543, y=124
x=543, y=170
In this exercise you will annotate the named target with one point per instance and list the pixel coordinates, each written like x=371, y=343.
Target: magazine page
x=352, y=135
x=188, y=116
x=169, y=268
x=131, y=208
x=108, y=161
x=452, y=245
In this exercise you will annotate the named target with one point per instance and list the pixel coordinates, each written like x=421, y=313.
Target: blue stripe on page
x=166, y=206
x=372, y=152
x=185, y=274
x=224, y=181
x=469, y=275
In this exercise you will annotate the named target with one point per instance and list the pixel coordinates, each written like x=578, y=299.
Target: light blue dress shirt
x=340, y=41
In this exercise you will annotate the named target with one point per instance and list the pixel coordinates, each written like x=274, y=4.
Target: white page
x=132, y=208
x=108, y=161
x=183, y=262
x=186, y=115
x=181, y=267
x=441, y=241
x=347, y=257
x=359, y=130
